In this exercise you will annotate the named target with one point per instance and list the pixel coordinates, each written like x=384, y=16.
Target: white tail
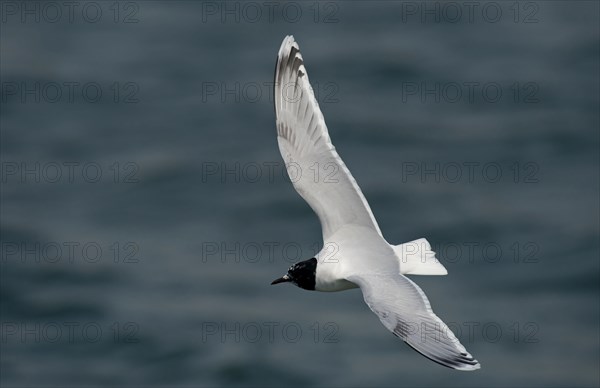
x=417, y=258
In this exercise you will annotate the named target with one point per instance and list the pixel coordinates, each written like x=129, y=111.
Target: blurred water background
x=141, y=227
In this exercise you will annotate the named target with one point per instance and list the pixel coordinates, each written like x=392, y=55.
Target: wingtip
x=464, y=363
x=287, y=44
x=469, y=368
x=468, y=363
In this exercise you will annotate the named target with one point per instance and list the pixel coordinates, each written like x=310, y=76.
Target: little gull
x=354, y=253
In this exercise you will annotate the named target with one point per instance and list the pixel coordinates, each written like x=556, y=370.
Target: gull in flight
x=354, y=253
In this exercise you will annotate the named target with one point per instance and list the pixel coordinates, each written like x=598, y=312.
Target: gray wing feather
x=305, y=145
x=404, y=309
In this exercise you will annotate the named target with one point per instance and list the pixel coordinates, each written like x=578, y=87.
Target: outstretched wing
x=404, y=309
x=315, y=169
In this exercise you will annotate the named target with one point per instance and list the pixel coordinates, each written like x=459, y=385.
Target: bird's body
x=346, y=252
x=355, y=253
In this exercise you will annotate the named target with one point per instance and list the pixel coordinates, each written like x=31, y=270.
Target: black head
x=302, y=274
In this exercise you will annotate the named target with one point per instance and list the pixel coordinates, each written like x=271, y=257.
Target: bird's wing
x=404, y=309
x=315, y=168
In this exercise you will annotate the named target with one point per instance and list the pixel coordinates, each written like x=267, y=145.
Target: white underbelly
x=329, y=276
x=351, y=250
x=334, y=285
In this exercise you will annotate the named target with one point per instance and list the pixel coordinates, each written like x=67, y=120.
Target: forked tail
x=417, y=258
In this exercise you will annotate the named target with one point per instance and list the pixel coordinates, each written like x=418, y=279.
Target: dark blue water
x=144, y=207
